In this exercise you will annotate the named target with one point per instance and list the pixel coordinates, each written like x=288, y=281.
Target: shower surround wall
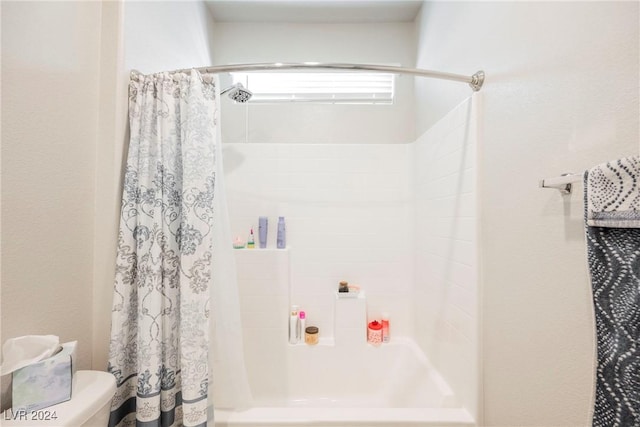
x=446, y=292
x=397, y=219
x=347, y=210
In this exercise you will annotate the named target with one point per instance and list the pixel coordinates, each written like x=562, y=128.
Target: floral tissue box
x=44, y=383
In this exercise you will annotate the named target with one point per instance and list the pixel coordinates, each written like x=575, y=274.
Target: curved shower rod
x=475, y=81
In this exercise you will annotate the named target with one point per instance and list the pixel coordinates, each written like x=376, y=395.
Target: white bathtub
x=340, y=386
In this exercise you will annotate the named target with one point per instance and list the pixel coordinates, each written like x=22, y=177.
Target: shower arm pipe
x=475, y=81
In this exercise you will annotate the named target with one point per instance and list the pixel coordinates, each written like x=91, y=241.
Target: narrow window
x=329, y=87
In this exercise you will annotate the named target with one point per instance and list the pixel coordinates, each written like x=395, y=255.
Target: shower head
x=238, y=93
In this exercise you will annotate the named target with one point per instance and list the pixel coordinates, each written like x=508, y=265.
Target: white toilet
x=89, y=406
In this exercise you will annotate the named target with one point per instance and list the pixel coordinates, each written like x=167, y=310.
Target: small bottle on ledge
x=281, y=237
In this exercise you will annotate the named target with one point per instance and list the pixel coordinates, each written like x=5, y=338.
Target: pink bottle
x=385, y=328
x=302, y=324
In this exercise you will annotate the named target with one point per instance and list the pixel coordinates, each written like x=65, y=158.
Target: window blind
x=343, y=88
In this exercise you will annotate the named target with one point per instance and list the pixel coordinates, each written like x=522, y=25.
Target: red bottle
x=374, y=333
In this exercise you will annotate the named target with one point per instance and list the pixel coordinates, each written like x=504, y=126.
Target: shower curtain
x=164, y=314
x=612, y=215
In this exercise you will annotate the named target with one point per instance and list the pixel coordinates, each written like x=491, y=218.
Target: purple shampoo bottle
x=282, y=238
x=263, y=225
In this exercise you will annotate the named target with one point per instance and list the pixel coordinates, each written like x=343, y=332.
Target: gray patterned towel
x=612, y=198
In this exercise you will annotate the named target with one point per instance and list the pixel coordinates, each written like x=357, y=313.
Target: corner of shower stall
x=447, y=279
x=400, y=220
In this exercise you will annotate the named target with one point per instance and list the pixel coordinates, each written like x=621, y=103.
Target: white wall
x=50, y=82
x=166, y=35
x=380, y=43
x=446, y=296
x=150, y=37
x=348, y=212
x=110, y=151
x=561, y=95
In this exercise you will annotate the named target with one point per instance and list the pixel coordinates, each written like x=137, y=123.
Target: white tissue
x=22, y=351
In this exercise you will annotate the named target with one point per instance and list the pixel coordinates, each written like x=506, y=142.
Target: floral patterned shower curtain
x=160, y=318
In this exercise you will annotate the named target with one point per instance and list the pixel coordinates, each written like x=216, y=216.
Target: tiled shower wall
x=348, y=210
x=397, y=219
x=446, y=279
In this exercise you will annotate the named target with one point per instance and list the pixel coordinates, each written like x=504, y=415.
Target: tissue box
x=44, y=383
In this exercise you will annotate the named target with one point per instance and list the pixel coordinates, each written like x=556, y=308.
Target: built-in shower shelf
x=322, y=342
x=257, y=250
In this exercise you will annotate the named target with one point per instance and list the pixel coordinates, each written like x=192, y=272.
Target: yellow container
x=311, y=335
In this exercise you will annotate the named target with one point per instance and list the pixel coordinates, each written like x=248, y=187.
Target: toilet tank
x=89, y=405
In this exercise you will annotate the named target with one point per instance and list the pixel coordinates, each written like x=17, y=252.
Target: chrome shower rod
x=475, y=81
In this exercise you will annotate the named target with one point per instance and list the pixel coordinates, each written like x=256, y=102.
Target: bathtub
x=392, y=385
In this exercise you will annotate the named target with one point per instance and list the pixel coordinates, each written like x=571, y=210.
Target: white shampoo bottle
x=293, y=325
